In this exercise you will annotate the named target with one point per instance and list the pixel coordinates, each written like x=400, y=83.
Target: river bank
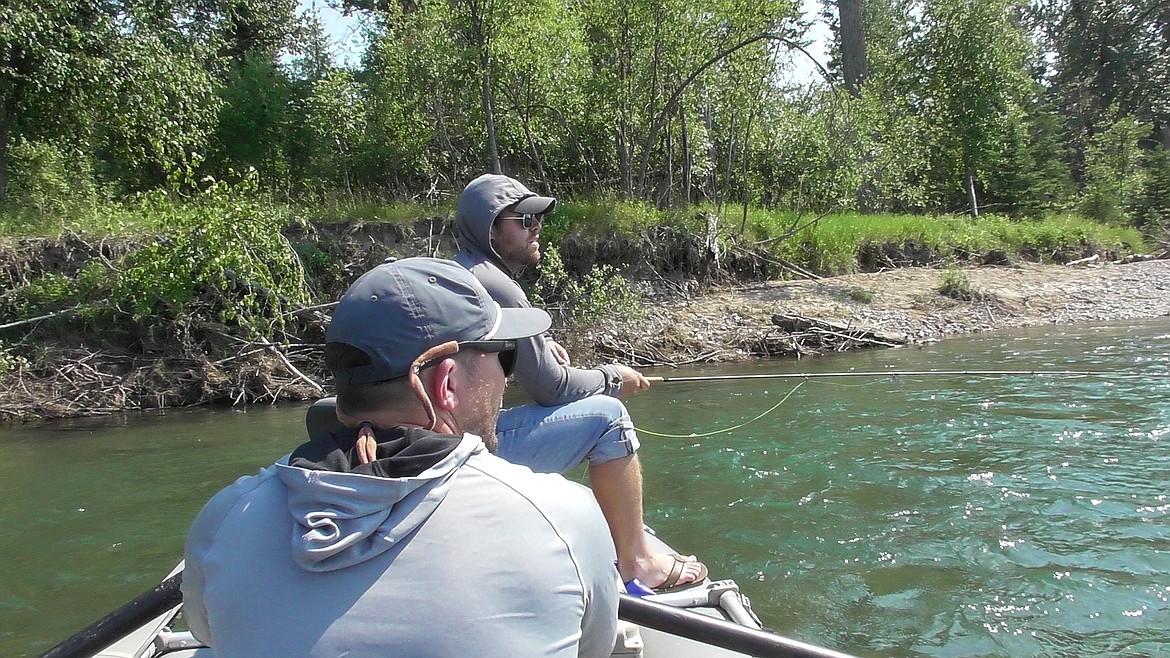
x=892, y=307
x=683, y=323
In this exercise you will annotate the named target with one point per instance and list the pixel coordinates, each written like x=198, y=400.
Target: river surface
x=881, y=516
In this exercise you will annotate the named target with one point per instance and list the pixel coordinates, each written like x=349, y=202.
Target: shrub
x=861, y=295
x=48, y=186
x=598, y=296
x=954, y=284
x=222, y=241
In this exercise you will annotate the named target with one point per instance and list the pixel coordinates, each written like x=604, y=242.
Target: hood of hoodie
x=475, y=236
x=481, y=202
x=345, y=517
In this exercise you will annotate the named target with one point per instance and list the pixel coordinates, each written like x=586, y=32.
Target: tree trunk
x=747, y=139
x=489, y=119
x=725, y=193
x=686, y=155
x=545, y=187
x=711, y=185
x=5, y=131
x=623, y=150
x=666, y=187
x=969, y=183
x=852, y=45
x=643, y=184
x=8, y=105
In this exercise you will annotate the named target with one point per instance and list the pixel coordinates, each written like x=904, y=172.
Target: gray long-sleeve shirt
x=540, y=375
x=472, y=556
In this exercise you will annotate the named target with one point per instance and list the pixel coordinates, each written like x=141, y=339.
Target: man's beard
x=485, y=408
x=523, y=256
x=487, y=431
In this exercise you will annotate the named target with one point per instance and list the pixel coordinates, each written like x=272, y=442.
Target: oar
x=911, y=373
x=717, y=632
x=121, y=622
x=668, y=619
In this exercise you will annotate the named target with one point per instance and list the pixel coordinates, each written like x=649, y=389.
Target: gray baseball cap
x=491, y=194
x=399, y=310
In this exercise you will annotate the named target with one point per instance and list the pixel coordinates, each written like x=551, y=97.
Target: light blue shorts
x=556, y=439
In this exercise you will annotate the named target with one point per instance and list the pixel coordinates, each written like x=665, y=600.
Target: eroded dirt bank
x=70, y=367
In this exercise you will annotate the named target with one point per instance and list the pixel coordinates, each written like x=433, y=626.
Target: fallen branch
x=49, y=316
x=291, y=368
x=1083, y=260
x=781, y=263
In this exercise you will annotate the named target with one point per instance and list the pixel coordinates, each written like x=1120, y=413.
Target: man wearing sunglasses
x=578, y=415
x=420, y=542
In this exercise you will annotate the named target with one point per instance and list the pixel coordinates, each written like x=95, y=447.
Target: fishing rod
x=909, y=373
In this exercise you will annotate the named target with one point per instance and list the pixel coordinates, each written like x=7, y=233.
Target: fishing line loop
x=721, y=431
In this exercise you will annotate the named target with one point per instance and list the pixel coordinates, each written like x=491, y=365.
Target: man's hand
x=632, y=381
x=559, y=352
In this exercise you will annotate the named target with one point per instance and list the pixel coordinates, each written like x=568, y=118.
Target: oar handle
x=119, y=623
x=717, y=632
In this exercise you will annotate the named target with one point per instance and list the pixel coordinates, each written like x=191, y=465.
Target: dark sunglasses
x=505, y=350
x=528, y=220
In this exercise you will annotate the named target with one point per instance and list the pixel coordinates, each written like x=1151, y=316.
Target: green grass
x=144, y=215
x=954, y=284
x=334, y=211
x=93, y=221
x=828, y=245
x=862, y=295
x=604, y=215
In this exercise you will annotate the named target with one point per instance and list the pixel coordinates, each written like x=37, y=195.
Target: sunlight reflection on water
x=892, y=516
x=957, y=516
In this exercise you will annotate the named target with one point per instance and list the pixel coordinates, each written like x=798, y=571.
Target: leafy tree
x=539, y=69
x=244, y=28
x=418, y=122
x=103, y=79
x=1115, y=175
x=972, y=56
x=1107, y=54
x=254, y=121
x=333, y=117
x=1031, y=175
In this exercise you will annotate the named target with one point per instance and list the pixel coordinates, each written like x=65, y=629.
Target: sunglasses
x=505, y=350
x=527, y=220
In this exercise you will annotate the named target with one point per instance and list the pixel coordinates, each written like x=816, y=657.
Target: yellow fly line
x=726, y=429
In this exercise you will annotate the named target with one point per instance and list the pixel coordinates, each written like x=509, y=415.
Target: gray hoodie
x=438, y=548
x=542, y=378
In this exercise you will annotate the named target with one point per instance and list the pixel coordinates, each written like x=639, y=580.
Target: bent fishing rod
x=911, y=373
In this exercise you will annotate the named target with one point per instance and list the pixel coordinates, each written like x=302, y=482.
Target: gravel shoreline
x=904, y=306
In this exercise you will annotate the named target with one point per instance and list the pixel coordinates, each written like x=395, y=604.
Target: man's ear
x=443, y=387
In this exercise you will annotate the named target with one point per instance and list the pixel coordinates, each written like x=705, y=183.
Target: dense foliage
x=946, y=106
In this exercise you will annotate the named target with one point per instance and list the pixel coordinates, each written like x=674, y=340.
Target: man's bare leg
x=617, y=485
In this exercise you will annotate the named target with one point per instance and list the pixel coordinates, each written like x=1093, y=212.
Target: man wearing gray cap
x=578, y=415
x=403, y=534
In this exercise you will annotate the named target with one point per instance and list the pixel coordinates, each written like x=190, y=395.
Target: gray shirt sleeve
x=200, y=542
x=537, y=371
x=574, y=512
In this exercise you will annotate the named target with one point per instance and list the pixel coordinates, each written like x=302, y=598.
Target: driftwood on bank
x=811, y=336
x=787, y=335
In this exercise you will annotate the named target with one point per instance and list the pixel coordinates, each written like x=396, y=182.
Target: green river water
x=883, y=516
